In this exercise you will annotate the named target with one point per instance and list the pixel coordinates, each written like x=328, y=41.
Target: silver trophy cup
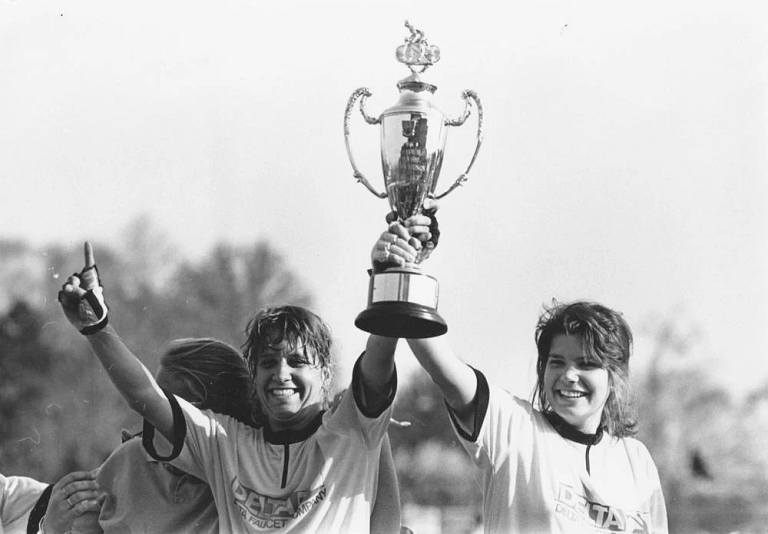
x=402, y=301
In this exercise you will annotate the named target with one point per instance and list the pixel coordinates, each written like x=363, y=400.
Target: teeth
x=281, y=392
x=572, y=394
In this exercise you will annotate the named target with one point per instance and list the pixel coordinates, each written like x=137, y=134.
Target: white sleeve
x=352, y=415
x=201, y=439
x=17, y=499
x=499, y=423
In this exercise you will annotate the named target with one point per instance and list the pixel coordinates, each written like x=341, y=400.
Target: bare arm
x=455, y=379
x=377, y=367
x=133, y=380
x=82, y=301
x=385, y=514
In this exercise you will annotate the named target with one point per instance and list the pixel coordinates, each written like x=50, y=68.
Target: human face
x=289, y=385
x=575, y=388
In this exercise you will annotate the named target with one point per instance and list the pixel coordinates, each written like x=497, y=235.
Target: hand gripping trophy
x=402, y=301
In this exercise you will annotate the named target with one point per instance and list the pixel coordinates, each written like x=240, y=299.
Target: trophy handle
x=365, y=93
x=466, y=95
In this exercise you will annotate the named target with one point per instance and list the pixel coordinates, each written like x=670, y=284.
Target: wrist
x=94, y=328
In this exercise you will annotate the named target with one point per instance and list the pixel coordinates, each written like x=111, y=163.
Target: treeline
x=59, y=412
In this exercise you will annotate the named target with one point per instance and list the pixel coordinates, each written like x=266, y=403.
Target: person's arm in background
x=385, y=515
x=83, y=303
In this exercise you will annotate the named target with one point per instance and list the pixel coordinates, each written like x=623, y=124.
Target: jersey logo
x=600, y=517
x=264, y=512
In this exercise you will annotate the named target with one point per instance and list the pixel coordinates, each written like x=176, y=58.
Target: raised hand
x=409, y=242
x=82, y=297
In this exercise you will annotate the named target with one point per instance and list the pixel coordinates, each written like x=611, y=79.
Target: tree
x=433, y=468
x=706, y=450
x=58, y=409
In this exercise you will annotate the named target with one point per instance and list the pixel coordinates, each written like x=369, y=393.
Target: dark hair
x=295, y=325
x=607, y=342
x=212, y=371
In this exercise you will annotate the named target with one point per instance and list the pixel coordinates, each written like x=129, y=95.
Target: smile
x=282, y=392
x=571, y=394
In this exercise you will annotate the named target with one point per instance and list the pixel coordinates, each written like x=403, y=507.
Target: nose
x=571, y=374
x=282, y=371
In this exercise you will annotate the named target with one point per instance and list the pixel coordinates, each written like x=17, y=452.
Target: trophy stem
x=402, y=303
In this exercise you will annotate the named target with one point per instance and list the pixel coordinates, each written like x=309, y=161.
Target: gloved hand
x=82, y=297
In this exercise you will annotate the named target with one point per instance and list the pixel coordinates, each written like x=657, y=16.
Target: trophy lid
x=418, y=56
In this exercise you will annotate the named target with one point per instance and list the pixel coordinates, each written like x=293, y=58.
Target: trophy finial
x=416, y=53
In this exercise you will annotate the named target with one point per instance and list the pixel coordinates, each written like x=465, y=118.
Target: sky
x=623, y=159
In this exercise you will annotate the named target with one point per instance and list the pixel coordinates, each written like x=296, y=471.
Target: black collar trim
x=286, y=437
x=569, y=432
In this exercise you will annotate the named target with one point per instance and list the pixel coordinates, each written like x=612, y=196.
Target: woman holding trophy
x=566, y=461
x=306, y=467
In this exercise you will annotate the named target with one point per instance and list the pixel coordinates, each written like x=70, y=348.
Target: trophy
x=402, y=301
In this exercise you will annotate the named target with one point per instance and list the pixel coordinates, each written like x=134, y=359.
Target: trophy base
x=402, y=303
x=401, y=319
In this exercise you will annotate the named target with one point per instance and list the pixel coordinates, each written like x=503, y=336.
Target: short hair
x=607, y=342
x=213, y=371
x=296, y=326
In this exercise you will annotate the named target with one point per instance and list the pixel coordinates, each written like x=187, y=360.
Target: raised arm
x=377, y=365
x=455, y=379
x=82, y=299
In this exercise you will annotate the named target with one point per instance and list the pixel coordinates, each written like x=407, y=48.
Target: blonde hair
x=212, y=371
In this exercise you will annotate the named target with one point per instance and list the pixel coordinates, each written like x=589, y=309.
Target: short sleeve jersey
x=144, y=496
x=321, y=479
x=18, y=495
x=536, y=481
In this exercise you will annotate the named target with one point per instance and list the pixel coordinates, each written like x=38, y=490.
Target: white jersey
x=536, y=481
x=321, y=479
x=18, y=496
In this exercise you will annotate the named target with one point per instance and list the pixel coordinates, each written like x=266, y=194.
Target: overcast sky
x=624, y=158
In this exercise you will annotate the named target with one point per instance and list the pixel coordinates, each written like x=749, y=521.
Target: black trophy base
x=401, y=319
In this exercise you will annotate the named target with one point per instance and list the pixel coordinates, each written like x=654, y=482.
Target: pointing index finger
x=88, y=250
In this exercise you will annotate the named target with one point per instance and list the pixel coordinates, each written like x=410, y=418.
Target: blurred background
x=199, y=146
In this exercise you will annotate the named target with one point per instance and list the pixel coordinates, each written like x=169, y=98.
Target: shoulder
x=506, y=401
x=504, y=411
x=633, y=445
x=129, y=450
x=636, y=451
x=211, y=422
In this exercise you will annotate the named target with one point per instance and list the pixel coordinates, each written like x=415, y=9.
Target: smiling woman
x=565, y=462
x=583, y=367
x=288, y=351
x=575, y=388
x=303, y=468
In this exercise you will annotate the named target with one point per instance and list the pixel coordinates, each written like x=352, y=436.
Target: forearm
x=377, y=368
x=132, y=379
x=455, y=379
x=378, y=363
